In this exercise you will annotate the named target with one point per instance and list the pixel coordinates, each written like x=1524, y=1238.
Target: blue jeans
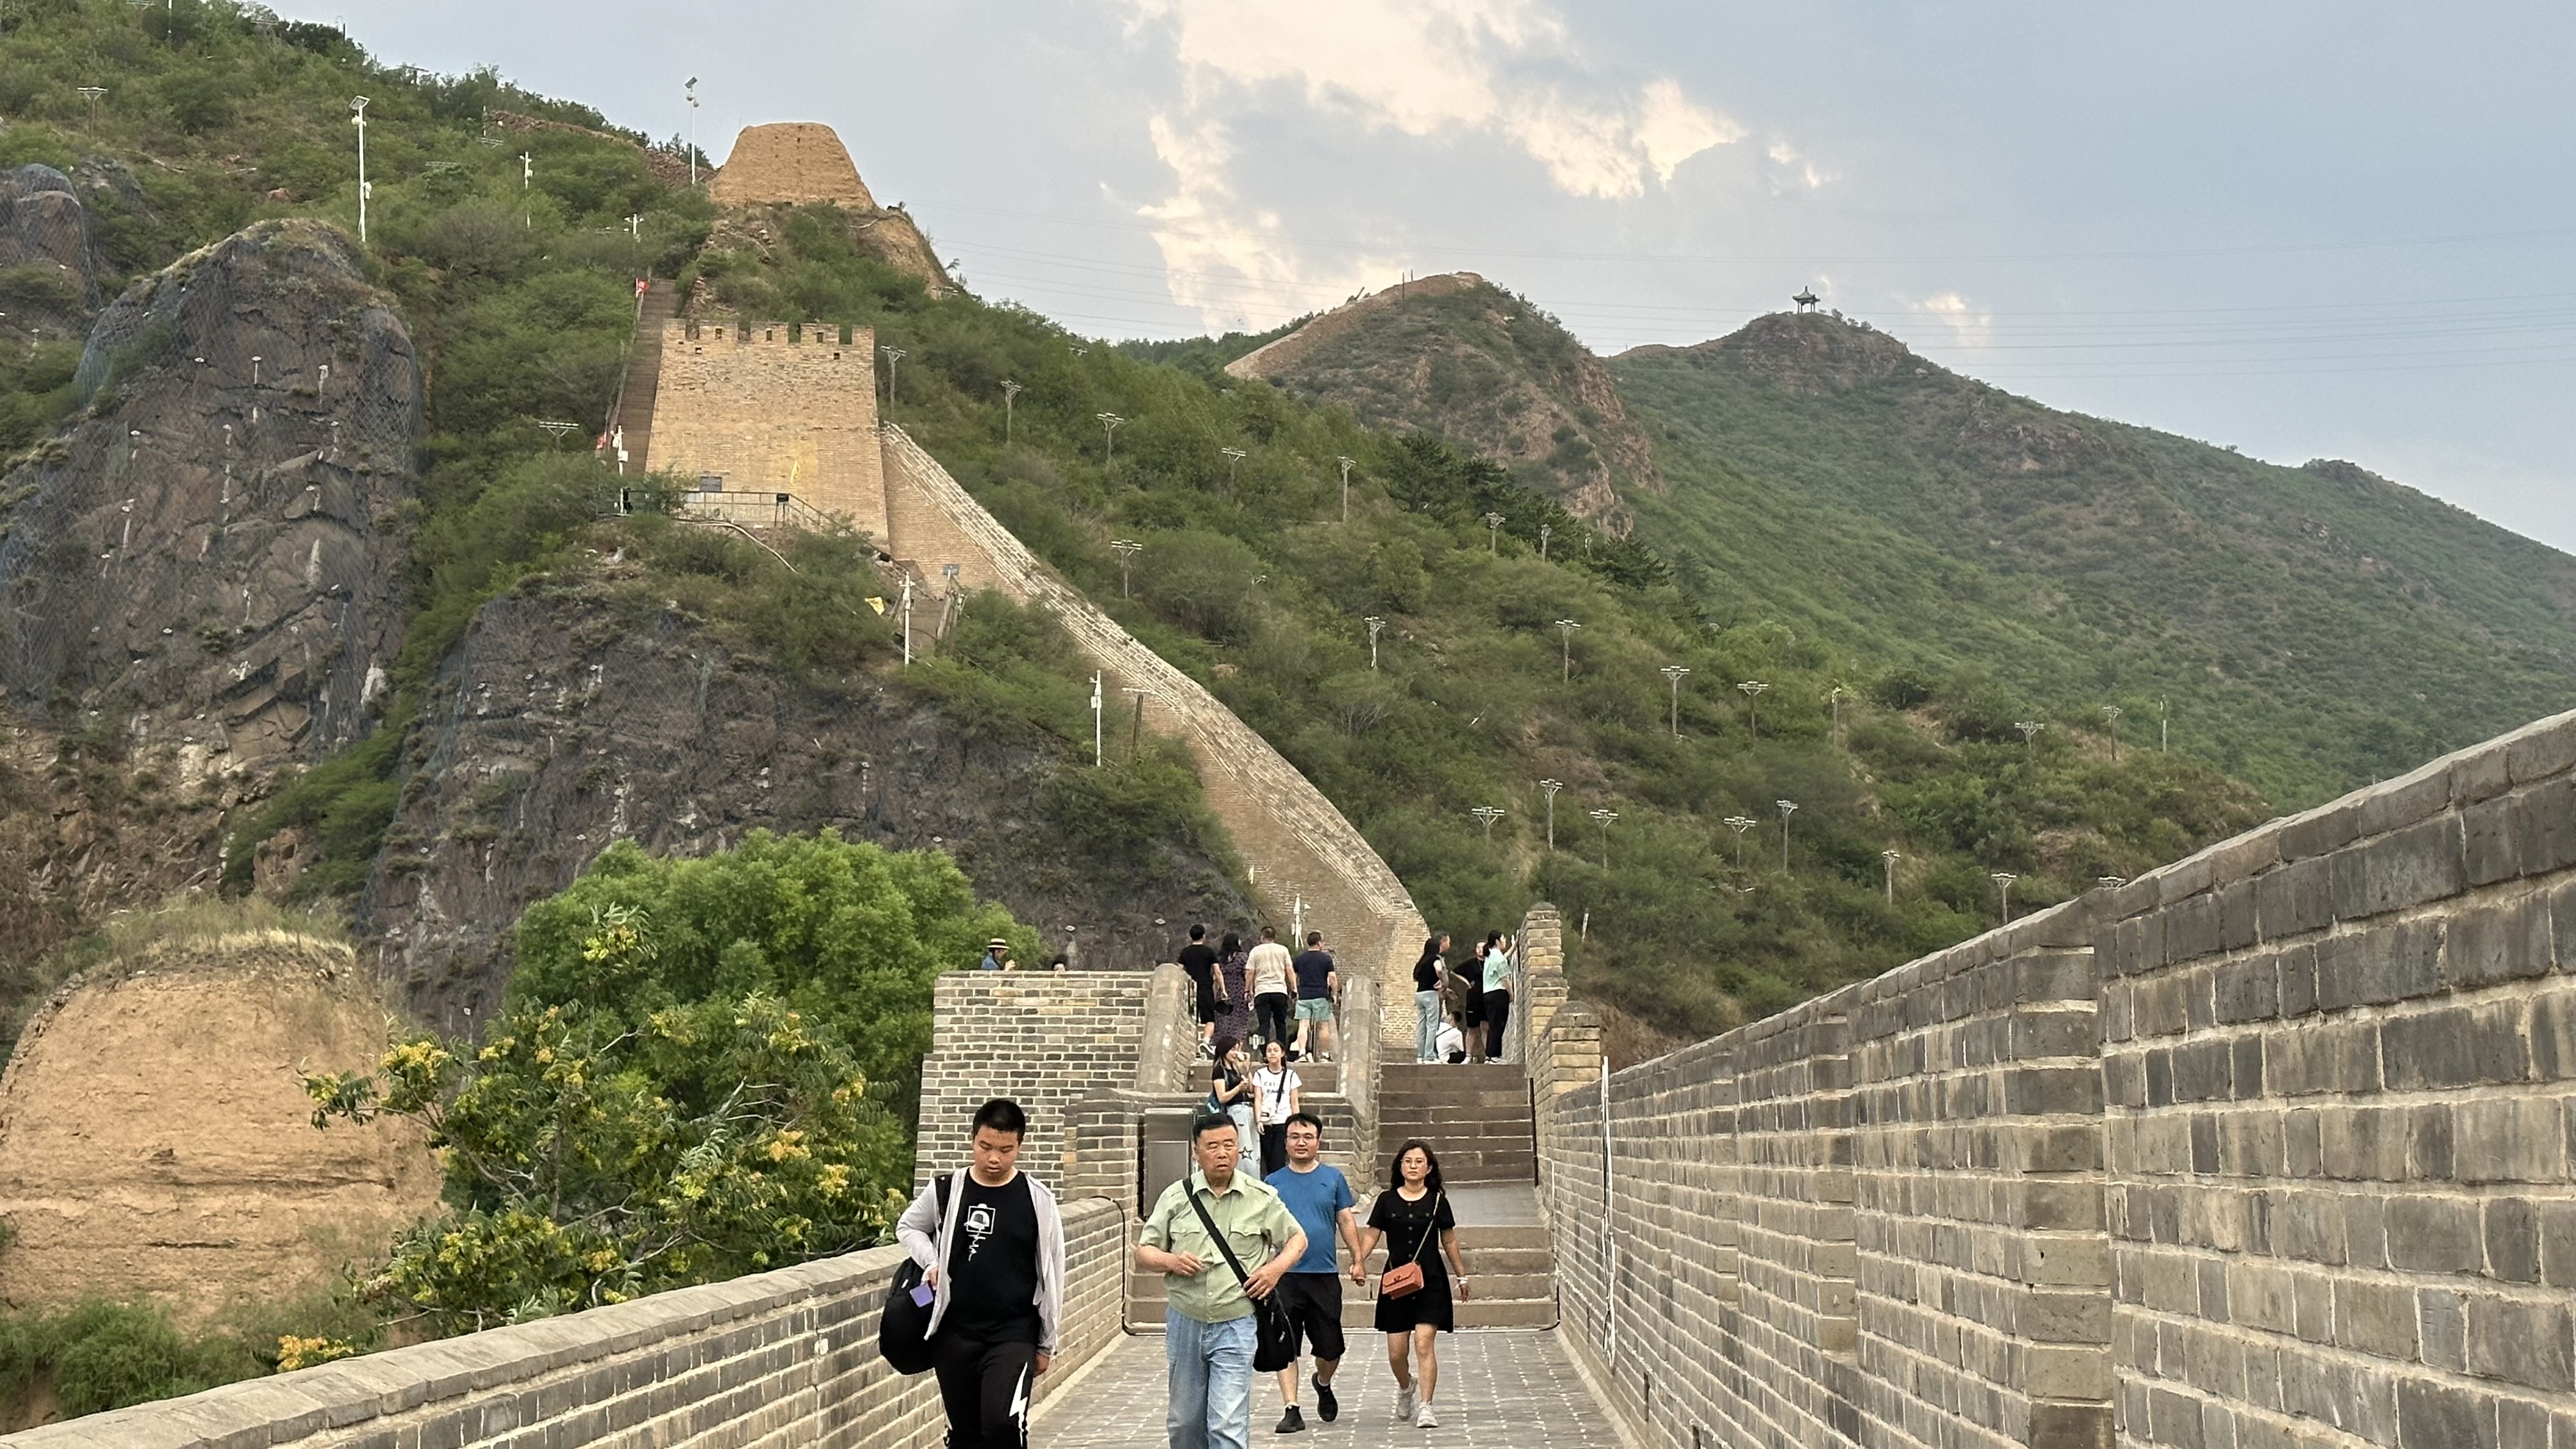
x=1211, y=1376
x=1426, y=1026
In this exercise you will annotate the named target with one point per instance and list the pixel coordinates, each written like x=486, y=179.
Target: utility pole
x=358, y=118
x=1126, y=549
x=527, y=184
x=1603, y=818
x=1675, y=673
x=1835, y=699
x=2111, y=717
x=1787, y=809
x=894, y=358
x=1740, y=824
x=1752, y=700
x=2030, y=729
x=691, y=91
x=1493, y=533
x=1891, y=858
x=2003, y=880
x=1109, y=437
x=1549, y=789
x=93, y=95
x=1010, y=395
x=2164, y=739
x=907, y=618
x=1346, y=486
x=635, y=226
x=1374, y=623
x=1566, y=628
x=1486, y=815
x=1136, y=732
x=1233, y=459
x=1098, y=757
x=1544, y=531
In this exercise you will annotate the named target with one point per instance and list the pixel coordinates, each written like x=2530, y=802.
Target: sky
x=2302, y=229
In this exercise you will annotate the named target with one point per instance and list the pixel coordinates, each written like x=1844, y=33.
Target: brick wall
x=773, y=409
x=784, y=1360
x=2271, y=1147
x=1281, y=825
x=791, y=162
x=1046, y=1039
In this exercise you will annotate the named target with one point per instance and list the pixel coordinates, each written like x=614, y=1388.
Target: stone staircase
x=1477, y=1118
x=633, y=418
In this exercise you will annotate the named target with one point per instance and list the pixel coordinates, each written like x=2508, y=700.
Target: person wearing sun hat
x=997, y=956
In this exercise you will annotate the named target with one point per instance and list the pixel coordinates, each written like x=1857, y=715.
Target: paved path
x=1499, y=1389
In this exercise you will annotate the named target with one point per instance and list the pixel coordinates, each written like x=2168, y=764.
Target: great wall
x=2273, y=1146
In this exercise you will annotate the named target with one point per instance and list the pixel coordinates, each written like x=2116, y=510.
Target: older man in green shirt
x=1208, y=1329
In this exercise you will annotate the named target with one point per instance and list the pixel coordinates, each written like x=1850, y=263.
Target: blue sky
x=2298, y=228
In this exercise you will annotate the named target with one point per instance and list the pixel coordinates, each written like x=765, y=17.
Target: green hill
x=2306, y=629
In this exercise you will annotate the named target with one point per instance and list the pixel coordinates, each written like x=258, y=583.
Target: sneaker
x=1423, y=1418
x=1404, y=1403
x=1327, y=1408
x=1291, y=1422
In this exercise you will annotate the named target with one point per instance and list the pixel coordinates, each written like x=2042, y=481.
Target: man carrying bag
x=1199, y=1236
x=991, y=1246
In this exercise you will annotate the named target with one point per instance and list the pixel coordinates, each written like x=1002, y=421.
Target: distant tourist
x=995, y=953
x=1234, y=1003
x=1413, y=1216
x=1277, y=1088
x=1467, y=1001
x=1059, y=962
x=1208, y=1330
x=1498, y=993
x=1451, y=1046
x=1199, y=960
x=1271, y=973
x=1320, y=1199
x=1427, y=974
x=991, y=1247
x=1318, y=985
x=1234, y=1098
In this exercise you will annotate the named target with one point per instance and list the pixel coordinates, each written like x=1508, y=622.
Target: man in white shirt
x=1269, y=969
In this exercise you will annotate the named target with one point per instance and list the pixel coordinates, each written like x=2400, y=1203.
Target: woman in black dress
x=1408, y=1215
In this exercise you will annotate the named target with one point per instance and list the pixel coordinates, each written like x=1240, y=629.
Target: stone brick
x=2545, y=827
x=2410, y=867
x=2504, y=942
x=2378, y=964
x=2434, y=1415
x=2294, y=898
x=2525, y=1342
x=2453, y=1046
x=2376, y=1318
x=2249, y=989
x=2491, y=841
x=2438, y=1234
x=2512, y=1232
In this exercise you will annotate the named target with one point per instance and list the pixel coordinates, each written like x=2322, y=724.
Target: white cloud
x=1970, y=325
x=1506, y=69
x=1231, y=264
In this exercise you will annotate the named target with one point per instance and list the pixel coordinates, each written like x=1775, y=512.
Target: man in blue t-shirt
x=1319, y=1198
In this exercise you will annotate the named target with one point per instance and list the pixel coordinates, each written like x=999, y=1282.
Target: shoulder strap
x=1218, y=1238
x=1431, y=1225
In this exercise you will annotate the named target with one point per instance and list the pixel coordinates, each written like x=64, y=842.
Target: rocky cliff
x=561, y=724
x=212, y=553
x=49, y=263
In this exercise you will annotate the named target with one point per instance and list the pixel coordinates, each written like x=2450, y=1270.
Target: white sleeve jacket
x=926, y=1233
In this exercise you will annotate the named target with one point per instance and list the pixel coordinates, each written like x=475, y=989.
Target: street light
x=93, y=94
x=1374, y=623
x=691, y=91
x=1834, y=697
x=1493, y=533
x=1098, y=756
x=1486, y=815
x=1347, y=465
x=1740, y=824
x=1233, y=459
x=358, y=118
x=1109, y=436
x=1010, y=394
x=1787, y=809
x=1602, y=818
x=1676, y=673
x=2164, y=736
x=2003, y=880
x=1127, y=549
x=1549, y=789
x=1566, y=628
x=1752, y=699
x=1891, y=858
x=2111, y=717
x=893, y=356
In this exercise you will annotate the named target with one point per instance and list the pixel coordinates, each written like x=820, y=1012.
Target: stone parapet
x=1046, y=1039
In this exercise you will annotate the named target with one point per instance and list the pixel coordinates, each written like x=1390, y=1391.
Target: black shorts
x=1207, y=1007
x=1314, y=1304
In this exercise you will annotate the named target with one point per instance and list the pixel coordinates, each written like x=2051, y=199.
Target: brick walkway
x=1498, y=1388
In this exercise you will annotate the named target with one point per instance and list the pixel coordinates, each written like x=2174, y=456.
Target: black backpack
x=903, y=1325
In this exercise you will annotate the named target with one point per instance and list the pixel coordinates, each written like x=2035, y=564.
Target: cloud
x=1970, y=326
x=1232, y=264
x=1504, y=69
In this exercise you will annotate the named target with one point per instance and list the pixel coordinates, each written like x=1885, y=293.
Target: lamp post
x=1374, y=623
x=1347, y=464
x=1676, y=673
x=894, y=358
x=1233, y=459
x=907, y=618
x=691, y=92
x=93, y=95
x=1127, y=549
x=1787, y=809
x=1545, y=530
x=1549, y=788
x=2030, y=729
x=358, y=118
x=2164, y=737
x=1109, y=436
x=1834, y=698
x=1566, y=627
x=1890, y=857
x=527, y=184
x=1602, y=818
x=2003, y=880
x=2111, y=717
x=1486, y=815
x=1010, y=395
x=1493, y=533
x=1740, y=824
x=1099, y=757
x=1752, y=700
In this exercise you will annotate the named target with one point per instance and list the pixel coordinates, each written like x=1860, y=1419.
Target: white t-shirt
x=1268, y=966
x=1275, y=1087
x=1449, y=1040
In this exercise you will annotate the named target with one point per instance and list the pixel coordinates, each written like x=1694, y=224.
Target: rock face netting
x=45, y=244
x=214, y=550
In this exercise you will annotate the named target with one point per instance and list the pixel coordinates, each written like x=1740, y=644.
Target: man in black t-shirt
x=991, y=1245
x=1317, y=987
x=1199, y=959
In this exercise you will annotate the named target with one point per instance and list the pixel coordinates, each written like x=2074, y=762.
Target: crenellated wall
x=2271, y=1147
x=770, y=408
